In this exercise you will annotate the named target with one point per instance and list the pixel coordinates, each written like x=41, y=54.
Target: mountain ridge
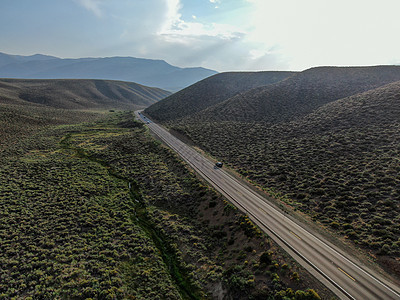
x=150, y=72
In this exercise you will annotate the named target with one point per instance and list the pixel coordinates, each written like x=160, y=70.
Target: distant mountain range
x=154, y=73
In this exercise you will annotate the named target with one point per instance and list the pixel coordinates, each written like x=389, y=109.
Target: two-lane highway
x=337, y=270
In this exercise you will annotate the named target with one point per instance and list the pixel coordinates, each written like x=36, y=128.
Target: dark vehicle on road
x=219, y=164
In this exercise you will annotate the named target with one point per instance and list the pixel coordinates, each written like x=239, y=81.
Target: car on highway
x=219, y=164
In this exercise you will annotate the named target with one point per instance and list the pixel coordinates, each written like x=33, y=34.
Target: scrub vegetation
x=335, y=160
x=211, y=91
x=102, y=210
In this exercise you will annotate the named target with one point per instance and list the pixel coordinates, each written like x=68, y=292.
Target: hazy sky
x=219, y=34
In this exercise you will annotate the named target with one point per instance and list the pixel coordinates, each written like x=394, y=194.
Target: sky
x=223, y=35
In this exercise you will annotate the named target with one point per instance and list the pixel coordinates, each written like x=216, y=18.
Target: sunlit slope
x=18, y=121
x=300, y=94
x=27, y=106
x=78, y=94
x=211, y=91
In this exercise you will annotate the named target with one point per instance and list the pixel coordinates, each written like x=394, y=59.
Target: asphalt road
x=340, y=272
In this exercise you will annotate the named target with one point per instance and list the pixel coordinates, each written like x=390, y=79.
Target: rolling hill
x=78, y=94
x=211, y=91
x=300, y=94
x=28, y=105
x=155, y=73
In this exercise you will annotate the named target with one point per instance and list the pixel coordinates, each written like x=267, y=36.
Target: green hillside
x=27, y=106
x=18, y=121
x=211, y=91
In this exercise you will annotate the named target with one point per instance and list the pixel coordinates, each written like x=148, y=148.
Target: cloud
x=92, y=6
x=172, y=16
x=180, y=33
x=216, y=2
x=175, y=29
x=185, y=41
x=315, y=32
x=253, y=34
x=246, y=34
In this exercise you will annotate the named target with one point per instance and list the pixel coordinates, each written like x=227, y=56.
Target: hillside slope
x=339, y=165
x=18, y=121
x=156, y=73
x=78, y=94
x=300, y=94
x=211, y=91
x=29, y=105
